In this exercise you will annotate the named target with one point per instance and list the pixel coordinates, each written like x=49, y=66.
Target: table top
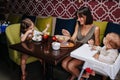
x=44, y=50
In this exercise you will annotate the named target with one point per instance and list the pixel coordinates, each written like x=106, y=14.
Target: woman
x=85, y=32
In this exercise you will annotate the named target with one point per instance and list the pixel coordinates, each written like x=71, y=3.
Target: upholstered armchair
x=13, y=37
x=41, y=23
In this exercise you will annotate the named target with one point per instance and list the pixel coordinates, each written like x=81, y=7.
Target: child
x=109, y=52
x=27, y=31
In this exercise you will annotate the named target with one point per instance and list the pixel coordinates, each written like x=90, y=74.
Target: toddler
x=26, y=33
x=109, y=52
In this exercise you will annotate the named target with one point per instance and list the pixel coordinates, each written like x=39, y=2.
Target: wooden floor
x=34, y=70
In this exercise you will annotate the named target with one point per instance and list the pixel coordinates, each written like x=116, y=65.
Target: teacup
x=56, y=45
x=37, y=37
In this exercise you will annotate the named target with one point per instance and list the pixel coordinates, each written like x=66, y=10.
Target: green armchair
x=13, y=37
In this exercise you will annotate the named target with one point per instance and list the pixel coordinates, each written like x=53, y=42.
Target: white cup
x=56, y=45
x=37, y=37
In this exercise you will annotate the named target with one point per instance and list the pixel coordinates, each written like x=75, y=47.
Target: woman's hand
x=91, y=42
x=66, y=32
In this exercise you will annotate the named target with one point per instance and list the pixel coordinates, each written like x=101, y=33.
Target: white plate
x=62, y=38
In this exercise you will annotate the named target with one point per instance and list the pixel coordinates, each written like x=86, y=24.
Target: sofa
x=56, y=25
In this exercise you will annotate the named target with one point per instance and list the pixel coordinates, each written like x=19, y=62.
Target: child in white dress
x=27, y=30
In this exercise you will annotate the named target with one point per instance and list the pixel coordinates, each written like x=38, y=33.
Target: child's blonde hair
x=114, y=40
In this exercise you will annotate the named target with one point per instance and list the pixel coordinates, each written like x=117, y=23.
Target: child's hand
x=48, y=25
x=65, y=32
x=46, y=29
x=93, y=47
x=30, y=31
x=96, y=56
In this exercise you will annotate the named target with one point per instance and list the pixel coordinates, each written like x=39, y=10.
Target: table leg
x=44, y=70
x=47, y=71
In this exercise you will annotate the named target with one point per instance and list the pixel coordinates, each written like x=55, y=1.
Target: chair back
x=13, y=33
x=13, y=37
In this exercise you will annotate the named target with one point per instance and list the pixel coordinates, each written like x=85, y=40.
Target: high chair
x=110, y=70
x=85, y=53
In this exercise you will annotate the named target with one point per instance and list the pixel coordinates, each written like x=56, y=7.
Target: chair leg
x=79, y=77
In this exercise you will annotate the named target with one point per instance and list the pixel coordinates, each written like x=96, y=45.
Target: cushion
x=112, y=27
x=102, y=26
x=41, y=23
x=68, y=24
x=33, y=18
x=14, y=18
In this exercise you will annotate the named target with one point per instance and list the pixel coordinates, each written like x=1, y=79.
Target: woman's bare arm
x=97, y=36
x=75, y=33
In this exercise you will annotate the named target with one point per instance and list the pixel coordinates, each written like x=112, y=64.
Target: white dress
x=107, y=56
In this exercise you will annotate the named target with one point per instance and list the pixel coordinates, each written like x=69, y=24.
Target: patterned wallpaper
x=102, y=10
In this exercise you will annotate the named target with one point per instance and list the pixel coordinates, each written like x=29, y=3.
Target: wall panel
x=102, y=10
